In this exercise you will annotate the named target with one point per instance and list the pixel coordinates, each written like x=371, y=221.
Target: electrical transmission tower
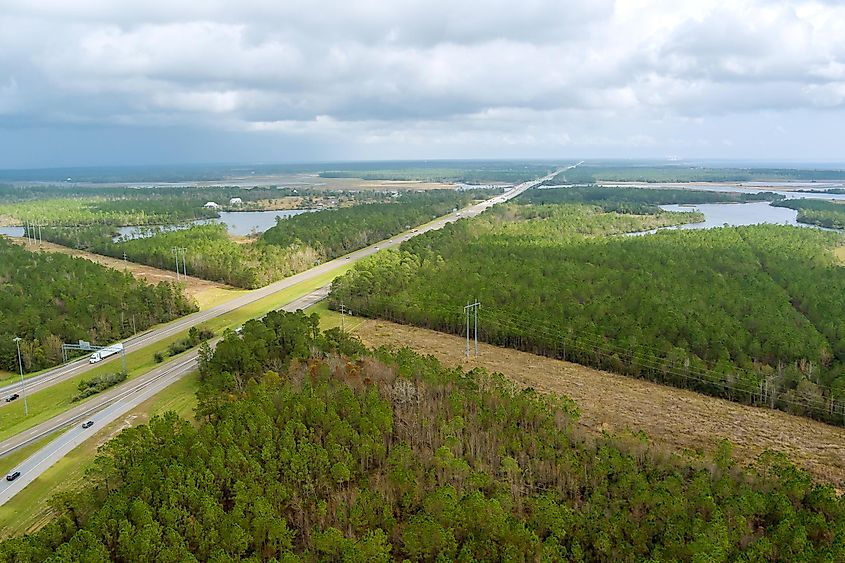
x=472, y=309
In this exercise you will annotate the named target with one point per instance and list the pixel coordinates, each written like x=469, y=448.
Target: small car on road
x=88, y=424
x=13, y=475
x=12, y=397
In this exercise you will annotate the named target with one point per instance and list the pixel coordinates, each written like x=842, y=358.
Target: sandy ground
x=195, y=287
x=672, y=417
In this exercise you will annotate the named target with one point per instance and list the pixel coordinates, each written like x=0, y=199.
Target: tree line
x=292, y=246
x=210, y=252
x=308, y=447
x=592, y=172
x=819, y=212
x=749, y=314
x=635, y=200
x=48, y=299
x=337, y=232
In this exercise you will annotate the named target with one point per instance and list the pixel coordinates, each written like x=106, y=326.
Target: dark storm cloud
x=371, y=78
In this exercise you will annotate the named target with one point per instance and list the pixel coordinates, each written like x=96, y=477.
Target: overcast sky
x=93, y=82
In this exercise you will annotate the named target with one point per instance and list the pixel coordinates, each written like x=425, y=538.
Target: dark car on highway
x=12, y=397
x=88, y=424
x=12, y=476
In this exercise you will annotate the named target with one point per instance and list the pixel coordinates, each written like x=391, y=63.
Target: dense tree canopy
x=47, y=299
x=340, y=231
x=635, y=200
x=210, y=252
x=309, y=448
x=293, y=245
x=749, y=313
x=817, y=212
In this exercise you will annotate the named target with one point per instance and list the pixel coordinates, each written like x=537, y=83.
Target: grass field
x=331, y=319
x=30, y=509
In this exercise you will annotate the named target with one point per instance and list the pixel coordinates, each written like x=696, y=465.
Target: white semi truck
x=101, y=355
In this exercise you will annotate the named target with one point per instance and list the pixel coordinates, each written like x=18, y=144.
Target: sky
x=105, y=82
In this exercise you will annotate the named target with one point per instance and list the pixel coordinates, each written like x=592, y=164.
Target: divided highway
x=104, y=409
x=81, y=365
x=114, y=403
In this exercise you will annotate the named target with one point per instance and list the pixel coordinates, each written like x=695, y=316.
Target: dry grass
x=675, y=418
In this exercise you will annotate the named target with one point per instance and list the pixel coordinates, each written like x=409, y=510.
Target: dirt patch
x=673, y=417
x=839, y=252
x=193, y=286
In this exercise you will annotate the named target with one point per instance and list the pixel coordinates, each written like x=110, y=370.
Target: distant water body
x=238, y=223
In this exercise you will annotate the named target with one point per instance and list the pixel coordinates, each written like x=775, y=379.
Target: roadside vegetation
x=309, y=447
x=292, y=246
x=750, y=313
x=210, y=253
x=55, y=399
x=337, y=232
x=48, y=299
x=98, y=383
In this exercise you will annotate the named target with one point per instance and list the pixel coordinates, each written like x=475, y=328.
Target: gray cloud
x=368, y=78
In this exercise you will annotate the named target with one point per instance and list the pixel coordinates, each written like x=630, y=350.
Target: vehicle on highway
x=13, y=475
x=100, y=355
x=88, y=424
x=12, y=397
x=376, y=248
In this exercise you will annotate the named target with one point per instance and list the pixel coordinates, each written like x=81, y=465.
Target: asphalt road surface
x=105, y=409
x=81, y=365
x=108, y=406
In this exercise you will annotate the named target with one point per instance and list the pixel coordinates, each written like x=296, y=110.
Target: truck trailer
x=101, y=355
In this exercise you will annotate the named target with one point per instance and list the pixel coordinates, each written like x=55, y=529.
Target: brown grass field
x=673, y=418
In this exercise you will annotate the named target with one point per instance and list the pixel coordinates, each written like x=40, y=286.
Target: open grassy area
x=213, y=296
x=30, y=509
x=331, y=319
x=271, y=302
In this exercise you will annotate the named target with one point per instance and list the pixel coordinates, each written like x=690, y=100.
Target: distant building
x=211, y=205
x=234, y=201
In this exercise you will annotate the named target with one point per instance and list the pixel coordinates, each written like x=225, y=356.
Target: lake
x=11, y=231
x=238, y=223
x=734, y=215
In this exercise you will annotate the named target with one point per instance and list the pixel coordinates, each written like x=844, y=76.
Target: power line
x=656, y=364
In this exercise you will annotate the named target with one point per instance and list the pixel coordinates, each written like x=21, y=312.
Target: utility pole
x=342, y=315
x=474, y=307
x=175, y=252
x=20, y=367
x=184, y=259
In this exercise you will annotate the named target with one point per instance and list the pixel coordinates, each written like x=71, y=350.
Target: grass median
x=54, y=400
x=30, y=509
